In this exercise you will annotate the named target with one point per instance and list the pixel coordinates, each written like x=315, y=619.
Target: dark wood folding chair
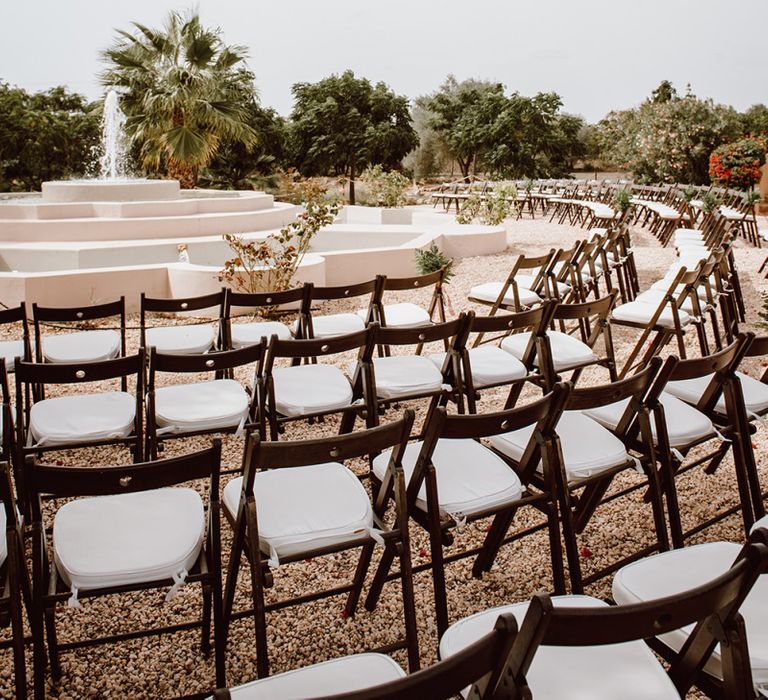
x=391, y=379
x=486, y=365
x=185, y=338
x=238, y=335
x=408, y=314
x=317, y=325
x=572, y=342
x=451, y=453
x=15, y=588
x=79, y=420
x=701, y=385
x=602, y=646
x=21, y=347
x=316, y=389
x=309, y=504
x=481, y=668
x=135, y=528
x=510, y=296
x=84, y=343
x=218, y=405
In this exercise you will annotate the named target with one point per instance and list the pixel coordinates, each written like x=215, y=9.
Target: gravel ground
x=173, y=664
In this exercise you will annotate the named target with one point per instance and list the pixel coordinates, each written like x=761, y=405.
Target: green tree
x=515, y=136
x=49, y=135
x=183, y=91
x=668, y=141
x=237, y=166
x=342, y=124
x=755, y=120
x=664, y=93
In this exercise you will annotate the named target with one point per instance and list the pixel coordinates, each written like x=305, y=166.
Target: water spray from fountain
x=112, y=161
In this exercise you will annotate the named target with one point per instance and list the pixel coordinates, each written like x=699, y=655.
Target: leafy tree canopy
x=49, y=135
x=342, y=124
x=508, y=136
x=668, y=140
x=184, y=92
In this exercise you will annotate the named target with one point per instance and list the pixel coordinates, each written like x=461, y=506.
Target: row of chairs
x=290, y=504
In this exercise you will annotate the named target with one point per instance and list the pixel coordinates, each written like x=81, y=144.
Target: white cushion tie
x=179, y=579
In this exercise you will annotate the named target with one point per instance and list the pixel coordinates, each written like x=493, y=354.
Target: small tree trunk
x=183, y=172
x=352, y=183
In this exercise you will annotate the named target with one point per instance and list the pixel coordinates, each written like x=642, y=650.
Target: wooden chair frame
x=371, y=288
x=309, y=349
x=260, y=455
x=544, y=413
x=72, y=482
x=454, y=336
x=535, y=321
x=35, y=374
x=18, y=314
x=712, y=607
x=261, y=300
x=221, y=364
x=722, y=365
x=184, y=305
x=578, y=499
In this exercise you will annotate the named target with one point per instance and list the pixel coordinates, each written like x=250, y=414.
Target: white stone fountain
x=113, y=185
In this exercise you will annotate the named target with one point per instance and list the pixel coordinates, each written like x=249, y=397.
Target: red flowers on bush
x=738, y=164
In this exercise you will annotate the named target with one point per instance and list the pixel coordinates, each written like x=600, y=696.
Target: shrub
x=385, y=189
x=622, y=199
x=270, y=264
x=433, y=259
x=738, y=164
x=295, y=189
x=470, y=210
x=491, y=211
x=710, y=202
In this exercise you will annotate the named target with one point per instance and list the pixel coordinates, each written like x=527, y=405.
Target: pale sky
x=597, y=54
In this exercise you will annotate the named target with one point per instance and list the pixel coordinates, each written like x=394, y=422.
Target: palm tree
x=183, y=92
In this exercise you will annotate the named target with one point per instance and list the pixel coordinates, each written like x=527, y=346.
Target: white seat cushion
x=82, y=418
x=588, y=448
x=663, y=286
x=405, y=315
x=337, y=324
x=685, y=424
x=628, y=671
x=128, y=538
x=219, y=403
x=245, y=334
x=639, y=312
x=470, y=477
x=489, y=292
x=762, y=522
x=10, y=350
x=654, y=297
x=567, y=351
x=671, y=573
x=181, y=340
x=303, y=508
x=310, y=388
x=490, y=365
x=402, y=375
x=528, y=281
x=344, y=675
x=690, y=390
x=83, y=346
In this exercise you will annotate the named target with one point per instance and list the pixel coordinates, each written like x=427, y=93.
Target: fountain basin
x=119, y=190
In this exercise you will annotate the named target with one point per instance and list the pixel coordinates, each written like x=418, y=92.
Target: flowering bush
x=385, y=189
x=667, y=141
x=269, y=264
x=738, y=164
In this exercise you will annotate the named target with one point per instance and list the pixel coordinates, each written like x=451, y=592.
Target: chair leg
x=17, y=633
x=436, y=550
x=205, y=642
x=555, y=549
x=231, y=583
x=357, y=585
x=409, y=607
x=219, y=643
x=53, y=645
x=379, y=578
x=493, y=541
